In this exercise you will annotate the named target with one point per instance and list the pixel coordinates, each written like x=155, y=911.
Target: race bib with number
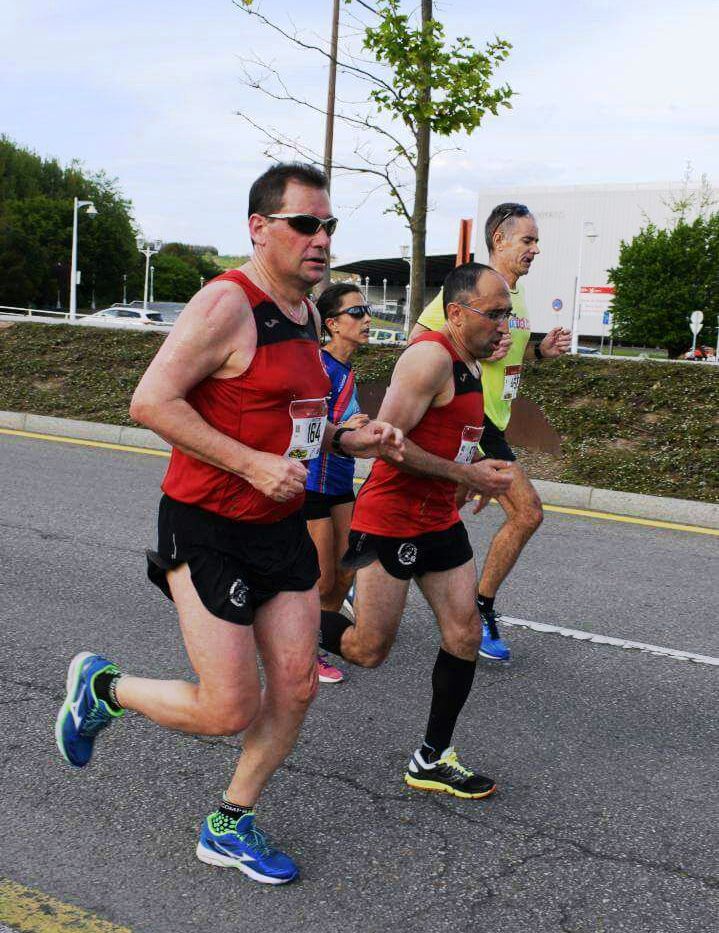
x=309, y=419
x=469, y=444
x=512, y=375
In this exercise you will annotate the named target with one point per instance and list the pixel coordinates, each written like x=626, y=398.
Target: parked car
x=387, y=337
x=121, y=314
x=700, y=353
x=588, y=351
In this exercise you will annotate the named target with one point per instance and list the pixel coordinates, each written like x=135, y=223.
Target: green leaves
x=664, y=275
x=447, y=86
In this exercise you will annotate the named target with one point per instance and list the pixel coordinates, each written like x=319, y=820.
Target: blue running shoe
x=83, y=715
x=492, y=646
x=240, y=844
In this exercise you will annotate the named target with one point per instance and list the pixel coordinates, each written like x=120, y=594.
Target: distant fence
x=8, y=310
x=38, y=316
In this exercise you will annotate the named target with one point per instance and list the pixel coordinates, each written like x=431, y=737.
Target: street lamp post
x=384, y=295
x=147, y=250
x=124, y=289
x=587, y=231
x=407, y=256
x=91, y=211
x=152, y=284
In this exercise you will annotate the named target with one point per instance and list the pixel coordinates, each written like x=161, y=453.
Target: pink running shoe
x=327, y=673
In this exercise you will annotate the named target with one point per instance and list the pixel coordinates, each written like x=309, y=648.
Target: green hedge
x=635, y=426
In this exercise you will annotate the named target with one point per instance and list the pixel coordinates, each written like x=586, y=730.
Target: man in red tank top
x=238, y=389
x=406, y=522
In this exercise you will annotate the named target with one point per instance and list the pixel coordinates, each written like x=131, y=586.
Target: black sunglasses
x=354, y=311
x=498, y=317
x=517, y=210
x=307, y=224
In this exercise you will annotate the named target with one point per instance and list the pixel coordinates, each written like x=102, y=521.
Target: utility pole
x=330, y=123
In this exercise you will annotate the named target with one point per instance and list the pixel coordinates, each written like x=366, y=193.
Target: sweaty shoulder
x=217, y=323
x=425, y=363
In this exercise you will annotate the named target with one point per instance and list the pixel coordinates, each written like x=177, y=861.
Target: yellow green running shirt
x=500, y=378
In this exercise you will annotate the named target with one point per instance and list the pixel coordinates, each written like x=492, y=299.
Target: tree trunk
x=419, y=212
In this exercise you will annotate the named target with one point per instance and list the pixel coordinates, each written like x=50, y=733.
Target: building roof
x=396, y=269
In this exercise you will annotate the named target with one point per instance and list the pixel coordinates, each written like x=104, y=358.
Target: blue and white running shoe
x=83, y=715
x=492, y=646
x=240, y=844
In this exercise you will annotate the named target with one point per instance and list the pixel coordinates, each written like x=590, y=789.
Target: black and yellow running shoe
x=447, y=776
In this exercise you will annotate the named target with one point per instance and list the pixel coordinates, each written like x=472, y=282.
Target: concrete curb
x=655, y=508
x=82, y=430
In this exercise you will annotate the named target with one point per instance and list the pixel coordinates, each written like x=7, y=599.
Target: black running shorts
x=405, y=558
x=320, y=505
x=235, y=566
x=494, y=444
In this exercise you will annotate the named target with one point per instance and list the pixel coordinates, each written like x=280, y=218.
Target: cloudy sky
x=608, y=91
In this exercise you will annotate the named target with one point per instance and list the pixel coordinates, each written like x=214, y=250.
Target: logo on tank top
x=271, y=323
x=407, y=554
x=238, y=593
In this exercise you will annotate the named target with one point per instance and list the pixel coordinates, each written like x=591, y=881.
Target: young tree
x=419, y=87
x=664, y=275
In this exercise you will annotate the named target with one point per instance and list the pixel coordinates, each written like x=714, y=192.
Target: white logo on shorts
x=238, y=593
x=407, y=554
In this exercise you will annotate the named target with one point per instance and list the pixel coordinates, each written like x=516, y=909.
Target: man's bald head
x=463, y=281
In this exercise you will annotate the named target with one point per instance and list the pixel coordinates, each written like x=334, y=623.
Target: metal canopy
x=396, y=269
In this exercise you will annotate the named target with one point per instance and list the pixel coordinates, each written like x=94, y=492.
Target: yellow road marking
x=30, y=911
x=82, y=443
x=584, y=513
x=652, y=523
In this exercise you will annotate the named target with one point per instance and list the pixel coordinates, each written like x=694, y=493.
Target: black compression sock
x=332, y=625
x=234, y=811
x=429, y=753
x=104, y=687
x=485, y=602
x=451, y=682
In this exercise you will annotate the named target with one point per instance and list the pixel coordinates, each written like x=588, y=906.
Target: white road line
x=579, y=635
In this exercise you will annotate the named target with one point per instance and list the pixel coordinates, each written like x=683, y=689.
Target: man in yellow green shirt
x=513, y=243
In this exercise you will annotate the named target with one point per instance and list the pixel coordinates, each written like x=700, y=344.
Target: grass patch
x=642, y=427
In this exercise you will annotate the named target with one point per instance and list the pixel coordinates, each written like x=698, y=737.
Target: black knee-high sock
x=332, y=625
x=451, y=682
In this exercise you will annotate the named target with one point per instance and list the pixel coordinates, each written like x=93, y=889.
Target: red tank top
x=400, y=505
x=254, y=409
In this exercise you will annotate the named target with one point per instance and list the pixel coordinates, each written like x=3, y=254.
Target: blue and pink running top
x=328, y=473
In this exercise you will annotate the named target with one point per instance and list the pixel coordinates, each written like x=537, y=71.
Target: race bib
x=512, y=375
x=309, y=419
x=469, y=444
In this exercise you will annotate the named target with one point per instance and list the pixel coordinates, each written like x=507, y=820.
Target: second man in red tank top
x=406, y=522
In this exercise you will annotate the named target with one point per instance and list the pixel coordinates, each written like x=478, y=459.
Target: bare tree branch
x=295, y=40
x=362, y=122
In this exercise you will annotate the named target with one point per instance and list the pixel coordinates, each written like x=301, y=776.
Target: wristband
x=335, y=442
x=538, y=352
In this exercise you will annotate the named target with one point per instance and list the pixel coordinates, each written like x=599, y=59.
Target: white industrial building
x=593, y=218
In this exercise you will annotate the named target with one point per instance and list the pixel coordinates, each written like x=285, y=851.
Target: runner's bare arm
x=422, y=377
x=215, y=335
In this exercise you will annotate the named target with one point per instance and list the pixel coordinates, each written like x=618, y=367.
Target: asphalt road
x=606, y=759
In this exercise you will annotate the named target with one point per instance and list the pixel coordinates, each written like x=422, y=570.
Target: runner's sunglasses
x=354, y=311
x=516, y=210
x=499, y=317
x=307, y=224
